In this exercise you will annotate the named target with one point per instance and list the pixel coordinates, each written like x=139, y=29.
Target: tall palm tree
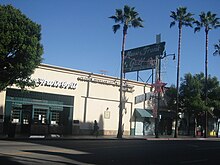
x=217, y=48
x=183, y=18
x=128, y=18
x=209, y=21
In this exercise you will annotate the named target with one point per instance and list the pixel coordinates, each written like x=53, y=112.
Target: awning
x=143, y=112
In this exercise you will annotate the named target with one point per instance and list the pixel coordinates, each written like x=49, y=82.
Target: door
x=139, y=128
x=26, y=119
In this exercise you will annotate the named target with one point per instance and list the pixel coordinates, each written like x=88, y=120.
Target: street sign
x=143, y=97
x=139, y=98
x=142, y=58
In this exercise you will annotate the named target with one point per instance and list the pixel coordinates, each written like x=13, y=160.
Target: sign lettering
x=142, y=58
x=55, y=84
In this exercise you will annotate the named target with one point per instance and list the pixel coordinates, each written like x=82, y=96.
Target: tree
x=209, y=21
x=213, y=96
x=20, y=48
x=217, y=48
x=128, y=18
x=183, y=18
x=214, y=100
x=170, y=97
x=191, y=96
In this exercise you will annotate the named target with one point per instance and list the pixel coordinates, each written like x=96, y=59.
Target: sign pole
x=157, y=106
x=157, y=79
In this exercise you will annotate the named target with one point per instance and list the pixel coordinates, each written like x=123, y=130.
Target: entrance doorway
x=26, y=119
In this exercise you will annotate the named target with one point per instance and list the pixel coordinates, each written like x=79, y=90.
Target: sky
x=78, y=34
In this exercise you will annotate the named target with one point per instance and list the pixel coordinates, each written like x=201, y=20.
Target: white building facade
x=67, y=101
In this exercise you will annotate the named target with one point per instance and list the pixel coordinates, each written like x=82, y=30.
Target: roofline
x=42, y=65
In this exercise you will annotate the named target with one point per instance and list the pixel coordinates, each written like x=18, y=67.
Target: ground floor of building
x=41, y=113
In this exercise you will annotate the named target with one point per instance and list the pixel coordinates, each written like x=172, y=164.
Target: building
x=67, y=101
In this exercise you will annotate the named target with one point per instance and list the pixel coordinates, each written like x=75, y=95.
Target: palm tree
x=217, y=48
x=183, y=18
x=128, y=18
x=209, y=21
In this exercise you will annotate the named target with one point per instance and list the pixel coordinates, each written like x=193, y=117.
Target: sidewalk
x=90, y=137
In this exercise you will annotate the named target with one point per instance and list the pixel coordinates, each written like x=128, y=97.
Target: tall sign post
x=157, y=80
x=145, y=58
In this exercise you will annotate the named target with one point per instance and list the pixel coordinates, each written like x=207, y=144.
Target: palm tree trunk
x=120, y=131
x=206, y=79
x=177, y=82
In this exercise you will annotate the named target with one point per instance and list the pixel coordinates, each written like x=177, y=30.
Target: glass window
x=15, y=116
x=55, y=117
x=40, y=116
x=25, y=119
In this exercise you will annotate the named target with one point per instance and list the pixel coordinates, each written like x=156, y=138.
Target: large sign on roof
x=142, y=58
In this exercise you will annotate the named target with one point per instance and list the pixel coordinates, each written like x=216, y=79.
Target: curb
x=57, y=137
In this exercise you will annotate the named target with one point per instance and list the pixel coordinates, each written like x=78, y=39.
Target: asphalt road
x=105, y=152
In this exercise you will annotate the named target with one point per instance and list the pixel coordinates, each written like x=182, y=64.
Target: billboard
x=142, y=58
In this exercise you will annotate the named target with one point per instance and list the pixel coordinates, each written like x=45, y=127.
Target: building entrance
x=38, y=113
x=26, y=113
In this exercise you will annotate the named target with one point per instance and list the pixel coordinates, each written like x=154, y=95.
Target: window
x=15, y=116
x=55, y=117
x=40, y=116
x=26, y=118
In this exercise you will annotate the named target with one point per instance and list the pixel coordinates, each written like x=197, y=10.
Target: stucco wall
x=93, y=96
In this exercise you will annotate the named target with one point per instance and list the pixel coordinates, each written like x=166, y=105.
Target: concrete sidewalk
x=90, y=137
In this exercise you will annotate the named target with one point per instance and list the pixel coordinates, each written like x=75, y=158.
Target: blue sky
x=78, y=34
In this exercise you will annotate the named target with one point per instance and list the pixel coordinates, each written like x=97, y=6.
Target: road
x=85, y=152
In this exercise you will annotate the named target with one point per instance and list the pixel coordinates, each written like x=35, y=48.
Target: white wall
x=94, y=98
